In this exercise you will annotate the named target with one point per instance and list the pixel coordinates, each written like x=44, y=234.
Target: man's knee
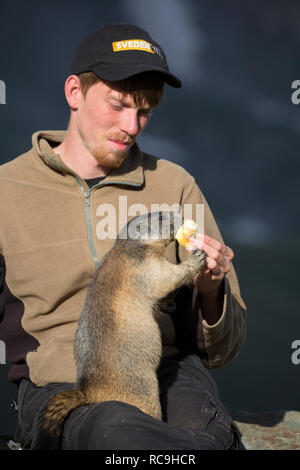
x=119, y=426
x=191, y=401
x=88, y=422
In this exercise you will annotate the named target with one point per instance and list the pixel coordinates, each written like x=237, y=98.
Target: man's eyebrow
x=122, y=100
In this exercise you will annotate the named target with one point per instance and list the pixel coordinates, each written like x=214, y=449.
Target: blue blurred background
x=233, y=125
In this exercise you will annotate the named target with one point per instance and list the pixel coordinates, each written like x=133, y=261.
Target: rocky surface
x=275, y=430
x=3, y=442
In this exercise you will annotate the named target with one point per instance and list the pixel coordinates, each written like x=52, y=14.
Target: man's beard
x=108, y=158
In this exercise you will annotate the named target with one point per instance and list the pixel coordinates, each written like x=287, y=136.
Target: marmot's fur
x=117, y=343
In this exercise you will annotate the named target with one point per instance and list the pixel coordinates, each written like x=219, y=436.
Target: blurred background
x=233, y=125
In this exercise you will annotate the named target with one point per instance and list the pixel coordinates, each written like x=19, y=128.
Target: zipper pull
x=87, y=199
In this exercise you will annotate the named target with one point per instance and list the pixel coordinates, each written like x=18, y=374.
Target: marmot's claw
x=198, y=252
x=201, y=255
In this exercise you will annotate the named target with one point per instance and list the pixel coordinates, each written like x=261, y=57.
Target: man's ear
x=73, y=91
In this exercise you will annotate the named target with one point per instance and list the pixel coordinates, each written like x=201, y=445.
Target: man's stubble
x=107, y=158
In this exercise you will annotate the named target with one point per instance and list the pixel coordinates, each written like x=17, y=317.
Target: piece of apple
x=185, y=232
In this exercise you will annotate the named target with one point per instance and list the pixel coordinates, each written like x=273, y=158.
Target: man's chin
x=110, y=160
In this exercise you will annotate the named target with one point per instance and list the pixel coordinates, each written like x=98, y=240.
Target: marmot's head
x=153, y=227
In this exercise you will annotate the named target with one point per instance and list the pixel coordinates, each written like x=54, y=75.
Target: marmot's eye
x=138, y=228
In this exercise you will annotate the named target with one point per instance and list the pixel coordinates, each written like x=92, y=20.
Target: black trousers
x=194, y=417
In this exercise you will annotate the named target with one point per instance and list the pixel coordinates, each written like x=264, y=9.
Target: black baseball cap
x=118, y=51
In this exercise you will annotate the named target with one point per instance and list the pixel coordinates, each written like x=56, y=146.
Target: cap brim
x=113, y=73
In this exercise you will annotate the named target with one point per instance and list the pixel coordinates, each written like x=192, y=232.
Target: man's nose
x=130, y=122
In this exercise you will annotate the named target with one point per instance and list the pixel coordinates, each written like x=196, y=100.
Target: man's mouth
x=120, y=144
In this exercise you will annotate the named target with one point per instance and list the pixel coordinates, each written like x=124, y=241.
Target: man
x=52, y=237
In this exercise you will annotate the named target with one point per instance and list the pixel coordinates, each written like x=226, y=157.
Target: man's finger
x=212, y=253
x=216, y=267
x=219, y=246
x=213, y=266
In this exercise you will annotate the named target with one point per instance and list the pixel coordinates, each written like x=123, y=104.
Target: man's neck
x=78, y=158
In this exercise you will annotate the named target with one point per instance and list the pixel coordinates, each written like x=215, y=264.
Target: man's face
x=109, y=122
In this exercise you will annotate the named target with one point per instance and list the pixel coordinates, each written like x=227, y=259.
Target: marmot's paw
x=196, y=262
x=201, y=256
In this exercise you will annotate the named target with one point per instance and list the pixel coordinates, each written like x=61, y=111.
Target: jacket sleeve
x=219, y=343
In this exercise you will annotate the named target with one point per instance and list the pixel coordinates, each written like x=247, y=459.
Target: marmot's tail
x=53, y=417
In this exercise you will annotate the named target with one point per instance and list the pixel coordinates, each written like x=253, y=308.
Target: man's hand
x=218, y=263
x=209, y=281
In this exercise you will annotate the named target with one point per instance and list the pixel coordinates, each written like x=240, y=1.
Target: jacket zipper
x=88, y=213
x=87, y=208
x=88, y=218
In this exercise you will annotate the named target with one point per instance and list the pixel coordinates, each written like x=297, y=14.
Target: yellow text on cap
x=132, y=44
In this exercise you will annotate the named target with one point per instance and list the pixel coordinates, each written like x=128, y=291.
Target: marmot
x=117, y=344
